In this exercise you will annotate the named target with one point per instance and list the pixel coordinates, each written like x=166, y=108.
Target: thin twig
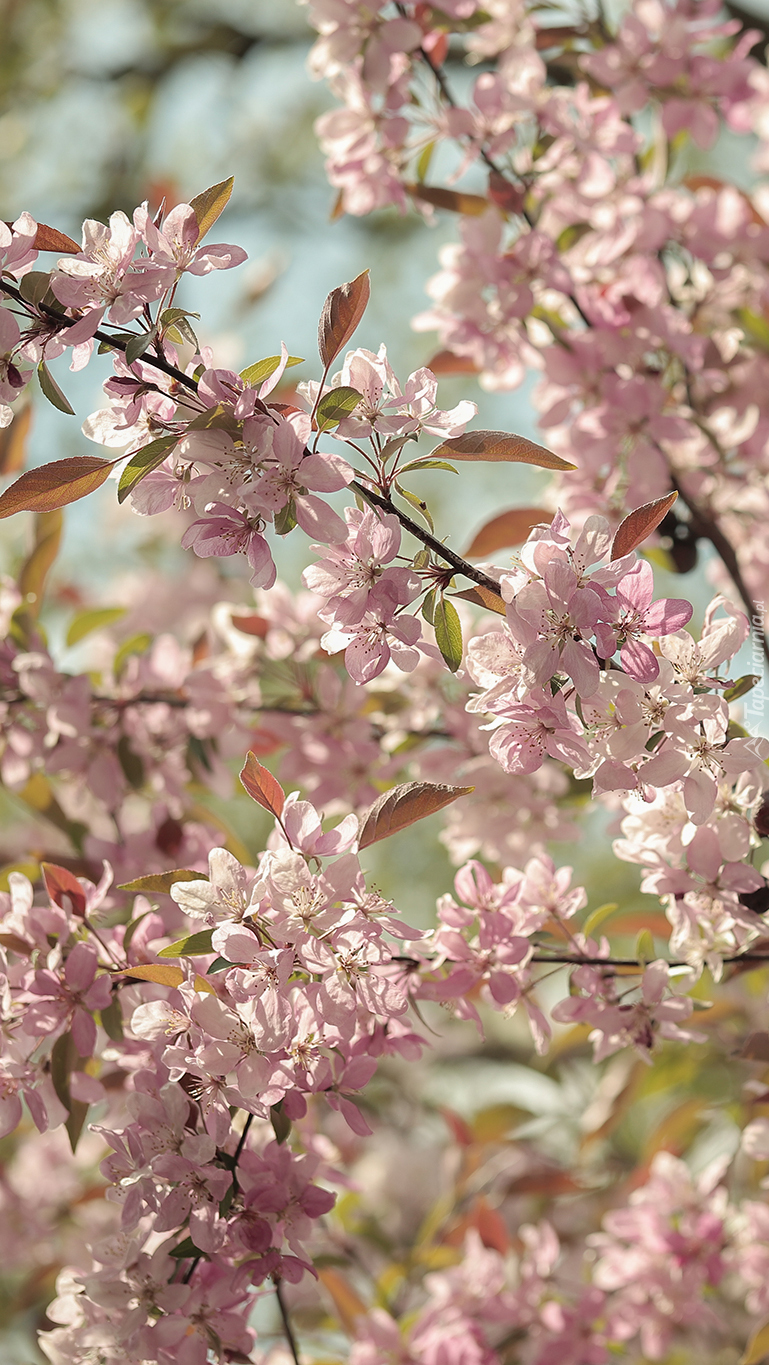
x=705, y=526
x=287, y=1328
x=238, y=1150
x=156, y=361
x=456, y=561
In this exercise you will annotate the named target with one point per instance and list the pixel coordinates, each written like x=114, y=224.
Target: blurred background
x=106, y=103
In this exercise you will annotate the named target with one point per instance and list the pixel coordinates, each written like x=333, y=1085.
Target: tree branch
x=704, y=525
x=156, y=361
x=456, y=561
x=287, y=1328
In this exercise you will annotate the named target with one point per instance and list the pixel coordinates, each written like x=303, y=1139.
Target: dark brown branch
x=707, y=528
x=456, y=561
x=576, y=960
x=157, y=362
x=287, y=1328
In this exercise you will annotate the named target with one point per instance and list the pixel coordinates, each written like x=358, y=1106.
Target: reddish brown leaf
x=210, y=204
x=251, y=625
x=50, y=239
x=348, y=1305
x=16, y=944
x=13, y=441
x=341, y=314
x=455, y=200
x=491, y=1226
x=261, y=786
x=446, y=362
x=509, y=198
x=498, y=446
x=163, y=975
x=639, y=524
x=547, y=38
x=709, y=182
x=756, y=1047
x=163, y=881
x=54, y=485
x=460, y=1131
x=509, y=528
x=484, y=597
x=403, y=806
x=60, y=883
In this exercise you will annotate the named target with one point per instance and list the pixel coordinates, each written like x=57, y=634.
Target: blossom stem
x=156, y=361
x=456, y=561
x=287, y=1328
x=707, y=527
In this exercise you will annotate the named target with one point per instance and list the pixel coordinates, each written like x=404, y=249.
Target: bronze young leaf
x=403, y=806
x=639, y=524
x=262, y=787
x=341, y=314
x=54, y=485
x=499, y=446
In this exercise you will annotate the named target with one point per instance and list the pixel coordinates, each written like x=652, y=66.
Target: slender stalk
x=287, y=1328
x=238, y=1150
x=704, y=524
x=456, y=561
x=157, y=362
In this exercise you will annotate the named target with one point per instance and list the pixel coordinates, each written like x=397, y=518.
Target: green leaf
x=756, y=327
x=130, y=762
x=52, y=391
x=64, y=1060
x=644, y=947
x=170, y=315
x=162, y=881
x=335, y=406
x=428, y=464
x=281, y=1124
x=262, y=369
x=210, y=204
x=285, y=520
x=218, y=418
x=112, y=1020
x=194, y=945
x=744, y=684
x=598, y=916
x=423, y=164
x=136, y=347
x=395, y=444
x=55, y=485
x=187, y=1251
x=34, y=286
x=95, y=619
x=428, y=606
x=142, y=462
x=417, y=503
x=135, y=644
x=132, y=927
x=220, y=964
x=448, y=633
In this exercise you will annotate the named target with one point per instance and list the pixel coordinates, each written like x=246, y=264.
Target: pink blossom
x=227, y=532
